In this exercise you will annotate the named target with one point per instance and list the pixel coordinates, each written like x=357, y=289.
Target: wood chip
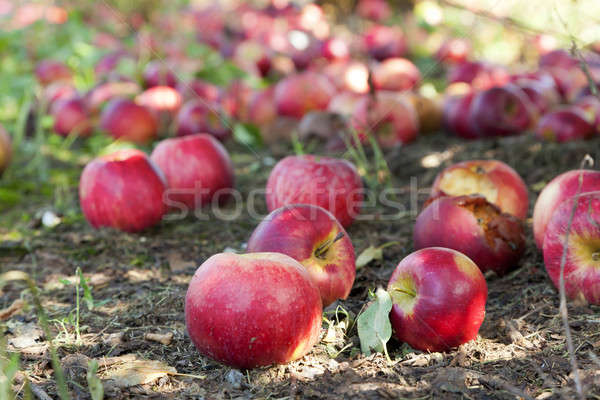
x=164, y=338
x=11, y=310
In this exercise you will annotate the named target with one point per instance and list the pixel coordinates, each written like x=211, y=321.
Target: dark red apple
x=564, y=124
x=383, y=42
x=5, y=149
x=480, y=75
x=197, y=168
x=331, y=183
x=199, y=89
x=438, y=298
x=312, y=236
x=250, y=310
x=71, y=117
x=335, y=49
x=396, y=74
x=123, y=190
x=496, y=181
x=561, y=188
x=501, y=111
x=590, y=105
x=456, y=116
x=475, y=227
x=298, y=94
x=453, y=51
x=48, y=71
x=158, y=73
x=126, y=120
x=198, y=116
x=581, y=268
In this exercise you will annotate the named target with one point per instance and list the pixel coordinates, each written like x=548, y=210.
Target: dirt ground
x=138, y=284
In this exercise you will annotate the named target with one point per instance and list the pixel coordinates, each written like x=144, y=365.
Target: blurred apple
x=158, y=73
x=198, y=116
x=71, y=117
x=48, y=71
x=5, y=149
x=383, y=42
x=396, y=74
x=126, y=120
x=564, y=125
x=298, y=94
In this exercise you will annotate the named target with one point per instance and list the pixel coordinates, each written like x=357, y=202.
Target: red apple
x=261, y=108
x=161, y=99
x=198, y=116
x=250, y=310
x=558, y=58
x=5, y=149
x=58, y=91
x=158, y=73
x=199, y=89
x=48, y=71
x=396, y=74
x=126, y=120
x=497, y=182
x=388, y=116
x=335, y=49
x=564, y=124
x=327, y=182
x=581, y=272
x=453, y=51
x=72, y=117
x=252, y=57
x=590, y=105
x=197, y=168
x=383, y=42
x=376, y=10
x=311, y=235
x=561, y=188
x=298, y=94
x=480, y=75
x=352, y=76
x=123, y=190
x=456, y=116
x=98, y=96
x=438, y=298
x=344, y=103
x=475, y=227
x=235, y=98
x=501, y=111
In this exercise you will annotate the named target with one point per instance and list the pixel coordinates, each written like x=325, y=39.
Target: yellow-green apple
x=123, y=190
x=49, y=71
x=495, y=241
x=331, y=183
x=298, y=94
x=197, y=168
x=72, y=117
x=126, y=120
x=158, y=73
x=582, y=264
x=251, y=310
x=395, y=74
x=200, y=116
x=561, y=188
x=388, y=116
x=312, y=236
x=501, y=111
x=383, y=42
x=564, y=124
x=496, y=181
x=5, y=149
x=438, y=299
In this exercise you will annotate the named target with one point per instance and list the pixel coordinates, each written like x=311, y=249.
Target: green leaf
x=222, y=73
x=87, y=292
x=374, y=327
x=247, y=134
x=94, y=384
x=369, y=254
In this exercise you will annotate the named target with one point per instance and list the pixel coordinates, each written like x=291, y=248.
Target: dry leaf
x=11, y=310
x=138, y=372
x=176, y=263
x=369, y=254
x=164, y=338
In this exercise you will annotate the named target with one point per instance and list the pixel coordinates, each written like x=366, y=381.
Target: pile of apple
x=554, y=102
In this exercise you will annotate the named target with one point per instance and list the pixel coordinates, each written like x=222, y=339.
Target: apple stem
x=322, y=249
x=408, y=292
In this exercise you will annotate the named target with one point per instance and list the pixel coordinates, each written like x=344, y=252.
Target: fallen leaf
x=11, y=310
x=138, y=372
x=369, y=254
x=164, y=338
x=374, y=327
x=176, y=263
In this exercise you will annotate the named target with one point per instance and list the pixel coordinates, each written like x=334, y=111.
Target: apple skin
x=501, y=111
x=590, y=105
x=197, y=116
x=389, y=116
x=479, y=75
x=126, y=120
x=438, y=299
x=157, y=73
x=382, y=42
x=456, y=116
x=564, y=124
x=375, y=10
x=298, y=94
x=496, y=181
x=198, y=165
x=5, y=149
x=72, y=117
x=559, y=189
x=299, y=231
x=161, y=99
x=396, y=74
x=453, y=51
x=542, y=98
x=123, y=190
x=331, y=183
x=334, y=49
x=49, y=71
x=581, y=273
x=57, y=92
x=199, y=89
x=351, y=76
x=101, y=94
x=475, y=227
x=344, y=103
x=251, y=310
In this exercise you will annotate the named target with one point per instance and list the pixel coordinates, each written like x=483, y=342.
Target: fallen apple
x=200, y=116
x=71, y=117
x=564, y=124
x=298, y=94
x=126, y=120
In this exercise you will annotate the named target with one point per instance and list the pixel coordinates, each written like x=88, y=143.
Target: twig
x=38, y=392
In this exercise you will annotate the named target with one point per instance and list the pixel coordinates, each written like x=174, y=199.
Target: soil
x=138, y=284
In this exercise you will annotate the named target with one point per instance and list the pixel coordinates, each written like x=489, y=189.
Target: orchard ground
x=138, y=284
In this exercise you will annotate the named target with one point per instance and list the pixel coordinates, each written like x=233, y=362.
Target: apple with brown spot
x=496, y=181
x=475, y=227
x=438, y=299
x=123, y=190
x=561, y=188
x=582, y=264
x=251, y=310
x=312, y=236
